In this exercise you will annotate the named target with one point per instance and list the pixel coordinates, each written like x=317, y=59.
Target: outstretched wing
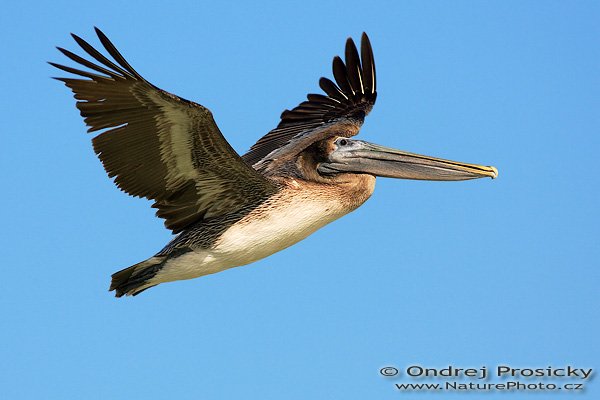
x=341, y=112
x=160, y=146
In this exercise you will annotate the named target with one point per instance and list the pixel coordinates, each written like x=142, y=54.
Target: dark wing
x=159, y=146
x=341, y=112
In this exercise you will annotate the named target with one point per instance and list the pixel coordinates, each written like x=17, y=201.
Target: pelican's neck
x=349, y=190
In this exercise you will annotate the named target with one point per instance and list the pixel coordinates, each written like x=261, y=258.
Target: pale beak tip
x=494, y=172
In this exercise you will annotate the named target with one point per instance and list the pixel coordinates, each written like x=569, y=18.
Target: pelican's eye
x=342, y=142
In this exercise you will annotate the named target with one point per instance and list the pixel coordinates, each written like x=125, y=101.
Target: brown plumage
x=231, y=210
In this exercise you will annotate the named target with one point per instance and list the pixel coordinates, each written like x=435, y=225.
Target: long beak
x=364, y=157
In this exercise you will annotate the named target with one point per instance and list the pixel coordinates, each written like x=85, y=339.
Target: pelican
x=230, y=210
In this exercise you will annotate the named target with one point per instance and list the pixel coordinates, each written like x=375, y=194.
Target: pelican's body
x=297, y=211
x=228, y=210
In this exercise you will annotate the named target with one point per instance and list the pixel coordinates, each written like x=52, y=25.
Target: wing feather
x=159, y=146
x=340, y=112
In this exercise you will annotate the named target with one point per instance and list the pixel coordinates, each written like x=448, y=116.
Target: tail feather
x=135, y=279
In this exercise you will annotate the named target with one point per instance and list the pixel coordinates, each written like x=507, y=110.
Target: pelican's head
x=357, y=156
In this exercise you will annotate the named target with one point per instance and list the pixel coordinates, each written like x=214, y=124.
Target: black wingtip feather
x=88, y=48
x=353, y=67
x=332, y=90
x=340, y=73
x=77, y=71
x=368, y=64
x=88, y=64
x=112, y=50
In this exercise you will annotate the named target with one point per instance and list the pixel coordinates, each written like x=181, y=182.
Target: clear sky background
x=469, y=274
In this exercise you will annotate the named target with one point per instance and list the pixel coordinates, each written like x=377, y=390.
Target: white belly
x=258, y=235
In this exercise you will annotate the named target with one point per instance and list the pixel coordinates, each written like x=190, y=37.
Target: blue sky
x=469, y=274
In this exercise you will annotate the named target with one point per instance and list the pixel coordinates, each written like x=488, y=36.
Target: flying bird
x=230, y=210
